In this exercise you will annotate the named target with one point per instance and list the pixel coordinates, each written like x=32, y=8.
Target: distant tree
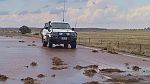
x=24, y=29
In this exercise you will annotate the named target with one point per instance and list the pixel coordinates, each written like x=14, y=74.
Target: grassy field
x=16, y=32
x=131, y=41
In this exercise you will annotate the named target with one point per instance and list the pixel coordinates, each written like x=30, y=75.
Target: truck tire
x=66, y=45
x=73, y=45
x=50, y=44
x=45, y=44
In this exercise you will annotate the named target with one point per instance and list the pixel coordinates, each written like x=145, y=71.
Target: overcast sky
x=87, y=13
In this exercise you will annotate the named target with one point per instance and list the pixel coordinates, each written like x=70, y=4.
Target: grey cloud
x=46, y=6
x=79, y=0
x=3, y=0
x=37, y=11
x=56, y=11
x=23, y=13
x=28, y=12
x=4, y=12
x=61, y=1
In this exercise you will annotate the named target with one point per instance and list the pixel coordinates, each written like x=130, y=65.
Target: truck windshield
x=60, y=26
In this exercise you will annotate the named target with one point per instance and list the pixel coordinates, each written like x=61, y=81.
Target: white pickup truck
x=58, y=33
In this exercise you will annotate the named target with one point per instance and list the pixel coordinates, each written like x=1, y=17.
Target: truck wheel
x=42, y=38
x=73, y=45
x=45, y=44
x=66, y=45
x=50, y=44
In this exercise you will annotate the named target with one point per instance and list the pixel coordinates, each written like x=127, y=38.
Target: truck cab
x=58, y=33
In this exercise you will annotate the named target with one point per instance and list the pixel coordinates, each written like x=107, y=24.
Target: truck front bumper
x=62, y=40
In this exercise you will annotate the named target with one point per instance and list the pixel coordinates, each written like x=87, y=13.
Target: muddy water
x=15, y=59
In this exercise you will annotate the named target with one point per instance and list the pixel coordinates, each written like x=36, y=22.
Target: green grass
x=132, y=41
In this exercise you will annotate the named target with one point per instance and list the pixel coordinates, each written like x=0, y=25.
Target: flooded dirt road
x=17, y=54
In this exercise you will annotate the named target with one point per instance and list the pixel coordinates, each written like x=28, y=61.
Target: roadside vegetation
x=24, y=30
x=130, y=41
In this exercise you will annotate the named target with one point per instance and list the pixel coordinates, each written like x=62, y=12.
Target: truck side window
x=46, y=27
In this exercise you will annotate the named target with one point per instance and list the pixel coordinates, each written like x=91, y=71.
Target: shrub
x=24, y=29
x=36, y=34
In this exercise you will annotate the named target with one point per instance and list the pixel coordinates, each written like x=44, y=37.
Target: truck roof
x=60, y=22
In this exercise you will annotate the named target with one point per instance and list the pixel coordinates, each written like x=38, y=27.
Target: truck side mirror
x=72, y=29
x=49, y=23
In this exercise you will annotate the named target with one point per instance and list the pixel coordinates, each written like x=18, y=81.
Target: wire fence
x=123, y=45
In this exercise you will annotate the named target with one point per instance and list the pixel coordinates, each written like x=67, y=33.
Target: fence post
x=140, y=48
x=109, y=45
x=118, y=44
x=101, y=42
x=79, y=40
x=89, y=40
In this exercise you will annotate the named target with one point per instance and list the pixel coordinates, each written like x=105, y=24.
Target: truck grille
x=62, y=34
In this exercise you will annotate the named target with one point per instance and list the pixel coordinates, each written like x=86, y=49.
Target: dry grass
x=78, y=67
x=135, y=68
x=57, y=61
x=9, y=32
x=119, y=40
x=59, y=68
x=58, y=64
x=121, y=80
x=89, y=72
x=21, y=41
x=3, y=78
x=28, y=80
x=92, y=82
x=112, y=52
x=41, y=76
x=110, y=70
x=33, y=64
x=95, y=51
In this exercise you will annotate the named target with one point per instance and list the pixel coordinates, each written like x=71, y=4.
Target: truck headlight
x=60, y=33
x=68, y=34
